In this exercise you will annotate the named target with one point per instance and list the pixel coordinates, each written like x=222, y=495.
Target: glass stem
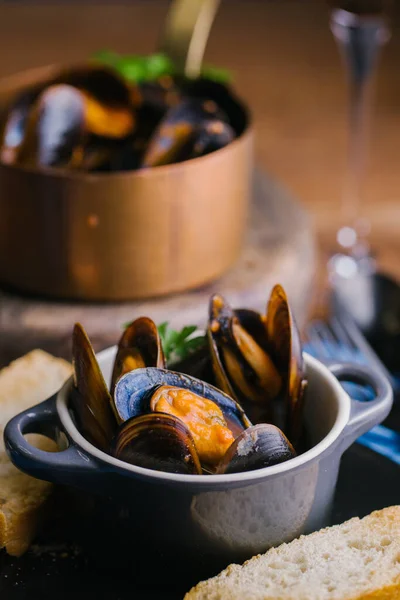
x=359, y=38
x=359, y=118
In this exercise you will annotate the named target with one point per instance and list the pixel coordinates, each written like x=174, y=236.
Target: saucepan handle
x=59, y=467
x=364, y=415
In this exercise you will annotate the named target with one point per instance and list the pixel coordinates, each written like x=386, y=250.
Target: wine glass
x=360, y=28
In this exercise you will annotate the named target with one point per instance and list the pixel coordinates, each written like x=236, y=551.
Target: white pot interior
x=323, y=405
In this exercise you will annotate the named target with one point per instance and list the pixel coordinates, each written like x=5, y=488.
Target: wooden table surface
x=287, y=68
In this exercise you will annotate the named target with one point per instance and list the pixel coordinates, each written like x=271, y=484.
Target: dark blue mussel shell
x=134, y=390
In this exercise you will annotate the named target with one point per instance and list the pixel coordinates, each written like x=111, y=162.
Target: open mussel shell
x=49, y=124
x=55, y=130
x=257, y=447
x=218, y=333
x=284, y=338
x=211, y=431
x=134, y=391
x=242, y=364
x=222, y=95
x=140, y=346
x=173, y=139
x=157, y=441
x=108, y=99
x=213, y=135
x=90, y=398
x=14, y=121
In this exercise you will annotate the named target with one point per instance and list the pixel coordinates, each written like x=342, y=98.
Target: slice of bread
x=358, y=560
x=24, y=383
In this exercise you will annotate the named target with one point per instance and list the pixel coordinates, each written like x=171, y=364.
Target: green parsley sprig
x=178, y=345
x=137, y=68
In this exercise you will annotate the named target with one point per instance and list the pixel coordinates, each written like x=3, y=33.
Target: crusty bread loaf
x=358, y=560
x=25, y=382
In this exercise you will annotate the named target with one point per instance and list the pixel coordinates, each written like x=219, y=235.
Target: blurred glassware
x=361, y=28
x=372, y=302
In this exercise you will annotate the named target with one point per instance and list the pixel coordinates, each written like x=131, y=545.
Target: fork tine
x=340, y=340
x=321, y=340
x=349, y=351
x=314, y=343
x=362, y=346
x=330, y=345
x=341, y=333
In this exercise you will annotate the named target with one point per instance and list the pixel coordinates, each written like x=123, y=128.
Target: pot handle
x=58, y=467
x=364, y=415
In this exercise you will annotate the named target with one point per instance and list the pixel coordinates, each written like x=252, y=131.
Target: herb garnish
x=179, y=344
x=138, y=68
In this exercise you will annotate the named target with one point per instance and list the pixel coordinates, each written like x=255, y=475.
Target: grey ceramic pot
x=201, y=521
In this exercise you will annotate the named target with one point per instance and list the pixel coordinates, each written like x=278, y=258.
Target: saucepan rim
x=44, y=72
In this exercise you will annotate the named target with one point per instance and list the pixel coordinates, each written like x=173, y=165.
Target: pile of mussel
x=90, y=118
x=239, y=417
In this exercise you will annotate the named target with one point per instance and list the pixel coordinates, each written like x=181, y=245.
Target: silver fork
x=340, y=341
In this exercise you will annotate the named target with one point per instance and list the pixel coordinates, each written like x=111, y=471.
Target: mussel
x=242, y=364
x=54, y=124
x=92, y=118
x=170, y=421
x=14, y=123
x=223, y=95
x=163, y=442
x=258, y=361
x=109, y=101
x=212, y=136
x=139, y=346
x=55, y=129
x=93, y=404
x=211, y=430
x=90, y=398
x=286, y=348
x=257, y=447
x=213, y=418
x=173, y=139
x=157, y=441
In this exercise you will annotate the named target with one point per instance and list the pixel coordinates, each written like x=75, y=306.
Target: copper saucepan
x=127, y=235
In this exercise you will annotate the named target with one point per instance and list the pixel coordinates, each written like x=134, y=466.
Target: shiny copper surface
x=120, y=236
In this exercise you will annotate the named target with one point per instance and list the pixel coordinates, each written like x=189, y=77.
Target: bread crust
x=21, y=530
x=391, y=592
x=222, y=587
x=26, y=381
x=22, y=509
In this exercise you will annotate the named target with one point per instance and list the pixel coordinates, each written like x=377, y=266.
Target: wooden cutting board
x=279, y=248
